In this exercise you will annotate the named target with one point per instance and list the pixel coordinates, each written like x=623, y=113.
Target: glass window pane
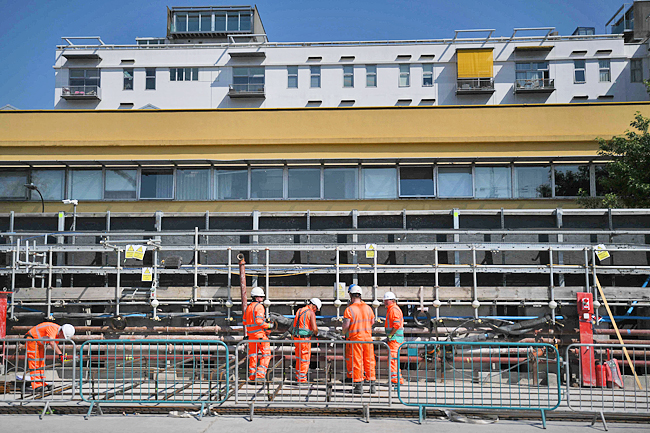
x=427, y=68
x=172, y=74
x=266, y=183
x=293, y=82
x=188, y=74
x=193, y=184
x=492, y=182
x=371, y=80
x=379, y=182
x=347, y=81
x=120, y=184
x=532, y=182
x=245, y=22
x=304, y=183
x=416, y=181
x=12, y=184
x=193, y=23
x=231, y=184
x=603, y=64
x=522, y=66
x=157, y=184
x=195, y=74
x=220, y=22
x=315, y=81
x=341, y=183
x=50, y=183
x=181, y=23
x=233, y=21
x=206, y=22
x=570, y=178
x=579, y=64
x=86, y=184
x=179, y=74
x=455, y=182
x=580, y=76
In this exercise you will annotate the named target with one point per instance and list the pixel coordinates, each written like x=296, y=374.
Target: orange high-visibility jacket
x=361, y=319
x=254, y=319
x=395, y=319
x=302, y=322
x=44, y=330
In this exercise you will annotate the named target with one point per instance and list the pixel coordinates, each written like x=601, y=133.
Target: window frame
x=372, y=75
x=400, y=194
x=290, y=75
x=137, y=184
x=150, y=77
x=455, y=166
x=315, y=73
x=127, y=79
x=607, y=70
x=143, y=171
x=427, y=74
x=636, y=69
x=348, y=73
x=576, y=69
x=404, y=74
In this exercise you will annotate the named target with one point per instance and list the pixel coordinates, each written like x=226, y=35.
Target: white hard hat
x=355, y=289
x=67, y=330
x=316, y=302
x=257, y=291
x=389, y=295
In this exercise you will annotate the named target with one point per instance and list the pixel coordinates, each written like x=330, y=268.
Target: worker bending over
x=357, y=325
x=36, y=350
x=257, y=328
x=304, y=326
x=394, y=334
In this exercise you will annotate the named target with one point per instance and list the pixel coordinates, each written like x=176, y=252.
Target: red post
x=242, y=282
x=3, y=314
x=587, y=361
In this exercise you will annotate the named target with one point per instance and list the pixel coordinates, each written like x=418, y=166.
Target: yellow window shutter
x=475, y=63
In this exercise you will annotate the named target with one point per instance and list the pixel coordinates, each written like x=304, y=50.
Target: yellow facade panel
x=475, y=63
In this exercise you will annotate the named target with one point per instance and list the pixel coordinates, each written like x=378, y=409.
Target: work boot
x=373, y=387
x=358, y=388
x=347, y=380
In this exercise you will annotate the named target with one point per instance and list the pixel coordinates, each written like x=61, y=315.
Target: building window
x=379, y=182
x=193, y=184
x=371, y=75
x=532, y=182
x=570, y=179
x=455, y=182
x=416, y=182
x=206, y=22
x=85, y=185
x=348, y=76
x=248, y=79
x=266, y=183
x=605, y=74
x=427, y=75
x=193, y=23
x=180, y=24
x=231, y=184
x=157, y=184
x=51, y=183
x=304, y=182
x=292, y=77
x=579, y=75
x=636, y=70
x=236, y=21
x=128, y=79
x=120, y=184
x=12, y=185
x=532, y=75
x=84, y=81
x=150, y=83
x=183, y=74
x=315, y=76
x=601, y=174
x=404, y=75
x=492, y=182
x=341, y=183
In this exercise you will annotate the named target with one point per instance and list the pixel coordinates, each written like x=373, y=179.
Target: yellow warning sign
x=139, y=252
x=370, y=251
x=341, y=293
x=130, y=249
x=601, y=252
x=147, y=274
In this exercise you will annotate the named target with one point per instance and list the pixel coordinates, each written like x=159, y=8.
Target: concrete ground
x=273, y=424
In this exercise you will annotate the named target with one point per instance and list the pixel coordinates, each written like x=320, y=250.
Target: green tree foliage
x=628, y=172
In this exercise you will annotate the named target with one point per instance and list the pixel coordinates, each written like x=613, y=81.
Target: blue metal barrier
x=161, y=371
x=478, y=375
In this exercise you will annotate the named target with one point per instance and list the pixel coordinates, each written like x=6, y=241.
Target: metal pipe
x=630, y=332
x=242, y=281
x=164, y=329
x=117, y=285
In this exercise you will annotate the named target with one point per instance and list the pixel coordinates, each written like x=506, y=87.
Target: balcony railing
x=625, y=25
x=246, y=91
x=535, y=85
x=472, y=86
x=81, y=92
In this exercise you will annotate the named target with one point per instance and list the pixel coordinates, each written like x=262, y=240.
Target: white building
x=220, y=57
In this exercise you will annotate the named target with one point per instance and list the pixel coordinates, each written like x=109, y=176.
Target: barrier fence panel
x=32, y=372
x=478, y=375
x=145, y=371
x=607, y=383
x=295, y=376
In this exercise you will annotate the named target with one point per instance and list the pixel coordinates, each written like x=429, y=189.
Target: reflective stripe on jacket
x=254, y=318
x=395, y=319
x=302, y=323
x=361, y=320
x=44, y=330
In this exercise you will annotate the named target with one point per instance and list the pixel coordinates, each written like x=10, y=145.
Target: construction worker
x=257, y=328
x=304, y=326
x=394, y=334
x=357, y=326
x=36, y=350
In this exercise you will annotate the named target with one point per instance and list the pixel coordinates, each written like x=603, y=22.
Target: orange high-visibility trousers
x=347, y=351
x=257, y=367
x=395, y=372
x=35, y=352
x=303, y=358
x=363, y=362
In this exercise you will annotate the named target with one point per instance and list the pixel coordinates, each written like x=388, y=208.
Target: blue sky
x=31, y=29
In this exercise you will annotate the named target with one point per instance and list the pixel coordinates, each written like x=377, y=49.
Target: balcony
x=535, y=85
x=246, y=91
x=87, y=93
x=475, y=86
